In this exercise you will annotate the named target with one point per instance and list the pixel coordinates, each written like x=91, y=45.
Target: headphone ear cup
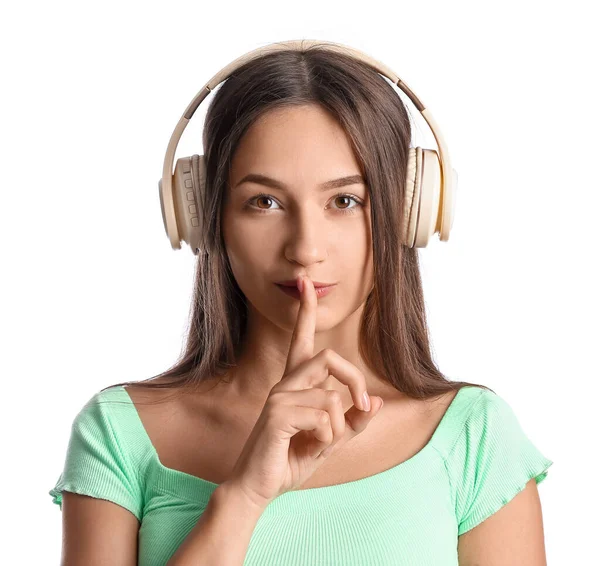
x=412, y=189
x=199, y=188
x=189, y=180
x=422, y=212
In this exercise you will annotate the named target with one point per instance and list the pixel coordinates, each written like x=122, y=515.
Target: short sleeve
x=96, y=464
x=491, y=461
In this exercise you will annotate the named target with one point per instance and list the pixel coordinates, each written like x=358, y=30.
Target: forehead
x=303, y=144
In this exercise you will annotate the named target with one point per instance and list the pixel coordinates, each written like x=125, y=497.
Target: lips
x=292, y=291
x=292, y=283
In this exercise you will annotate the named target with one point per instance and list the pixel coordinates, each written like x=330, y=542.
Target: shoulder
x=490, y=417
x=99, y=462
x=109, y=421
x=483, y=422
x=491, y=460
x=96, y=408
x=104, y=421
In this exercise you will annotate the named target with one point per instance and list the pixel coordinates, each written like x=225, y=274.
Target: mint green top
x=412, y=514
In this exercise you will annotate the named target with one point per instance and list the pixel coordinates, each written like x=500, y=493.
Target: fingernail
x=300, y=283
x=366, y=402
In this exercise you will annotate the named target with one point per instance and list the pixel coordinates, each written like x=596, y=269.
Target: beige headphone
x=431, y=183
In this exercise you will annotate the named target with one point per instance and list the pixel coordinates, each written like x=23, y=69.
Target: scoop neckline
x=198, y=490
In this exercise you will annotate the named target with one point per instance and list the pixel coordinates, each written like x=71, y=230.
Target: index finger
x=302, y=345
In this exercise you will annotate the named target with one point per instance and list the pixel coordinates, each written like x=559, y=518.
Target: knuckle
x=333, y=397
x=322, y=417
x=327, y=354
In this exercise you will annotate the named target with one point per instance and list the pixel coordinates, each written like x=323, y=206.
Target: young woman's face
x=298, y=229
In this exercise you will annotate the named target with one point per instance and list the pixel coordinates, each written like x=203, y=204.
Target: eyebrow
x=326, y=186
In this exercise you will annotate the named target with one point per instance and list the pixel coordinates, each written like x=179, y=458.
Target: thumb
x=356, y=422
x=359, y=420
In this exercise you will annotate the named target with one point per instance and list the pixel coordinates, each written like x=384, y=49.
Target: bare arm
x=223, y=532
x=96, y=531
x=512, y=535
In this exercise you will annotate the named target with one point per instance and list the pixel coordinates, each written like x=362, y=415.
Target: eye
x=350, y=210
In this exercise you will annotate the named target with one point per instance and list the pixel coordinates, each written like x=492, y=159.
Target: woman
x=223, y=458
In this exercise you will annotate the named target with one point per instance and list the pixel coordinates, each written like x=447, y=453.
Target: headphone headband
x=447, y=196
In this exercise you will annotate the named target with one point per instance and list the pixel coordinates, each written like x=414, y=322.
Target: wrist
x=231, y=493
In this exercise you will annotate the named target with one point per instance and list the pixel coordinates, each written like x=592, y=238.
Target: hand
x=301, y=423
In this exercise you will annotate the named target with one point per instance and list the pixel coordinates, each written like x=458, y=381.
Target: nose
x=308, y=238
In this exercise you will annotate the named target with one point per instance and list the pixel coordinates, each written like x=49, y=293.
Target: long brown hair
x=394, y=338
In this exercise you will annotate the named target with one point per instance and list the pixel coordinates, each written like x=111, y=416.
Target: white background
x=93, y=294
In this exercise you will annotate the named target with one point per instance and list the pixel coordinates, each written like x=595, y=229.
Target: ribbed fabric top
x=412, y=514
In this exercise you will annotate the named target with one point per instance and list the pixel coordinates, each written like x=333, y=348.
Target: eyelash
x=341, y=210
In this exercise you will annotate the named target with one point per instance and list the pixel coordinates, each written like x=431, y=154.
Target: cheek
x=248, y=255
x=237, y=241
x=249, y=243
x=359, y=252
x=355, y=244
